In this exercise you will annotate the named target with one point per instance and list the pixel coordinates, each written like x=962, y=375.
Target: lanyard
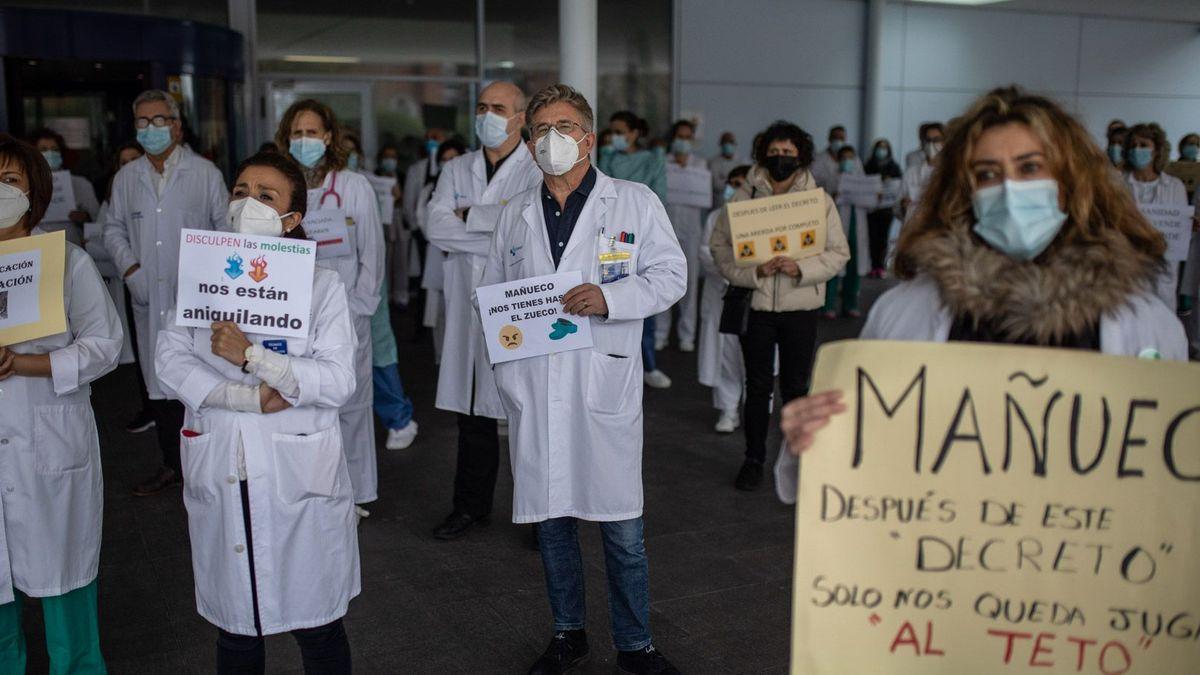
x=331, y=191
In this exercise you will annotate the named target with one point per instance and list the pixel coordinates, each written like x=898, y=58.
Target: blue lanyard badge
x=277, y=346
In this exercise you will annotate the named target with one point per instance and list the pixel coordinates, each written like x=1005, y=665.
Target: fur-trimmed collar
x=1064, y=293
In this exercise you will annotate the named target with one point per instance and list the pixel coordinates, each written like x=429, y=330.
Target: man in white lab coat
x=419, y=174
x=575, y=418
x=917, y=176
x=466, y=205
x=154, y=197
x=825, y=165
x=720, y=165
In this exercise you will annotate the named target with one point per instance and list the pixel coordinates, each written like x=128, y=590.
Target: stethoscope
x=331, y=191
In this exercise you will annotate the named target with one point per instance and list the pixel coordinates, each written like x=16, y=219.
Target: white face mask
x=491, y=129
x=932, y=148
x=14, y=204
x=556, y=153
x=250, y=216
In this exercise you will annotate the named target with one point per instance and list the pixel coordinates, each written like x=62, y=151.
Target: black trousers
x=168, y=422
x=141, y=377
x=795, y=333
x=478, y=463
x=878, y=224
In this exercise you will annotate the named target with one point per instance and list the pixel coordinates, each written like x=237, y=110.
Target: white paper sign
x=20, y=274
x=524, y=318
x=263, y=284
x=1175, y=224
x=689, y=186
x=859, y=190
x=62, y=201
x=383, y=186
x=329, y=229
x=891, y=193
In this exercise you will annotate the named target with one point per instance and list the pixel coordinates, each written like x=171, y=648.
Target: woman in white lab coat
x=52, y=146
x=433, y=275
x=1146, y=153
x=51, y=489
x=310, y=132
x=845, y=285
x=268, y=496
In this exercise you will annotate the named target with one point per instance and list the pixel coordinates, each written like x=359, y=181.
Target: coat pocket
x=64, y=437
x=609, y=387
x=307, y=466
x=199, y=478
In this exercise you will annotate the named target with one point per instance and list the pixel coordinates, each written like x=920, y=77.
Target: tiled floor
x=720, y=560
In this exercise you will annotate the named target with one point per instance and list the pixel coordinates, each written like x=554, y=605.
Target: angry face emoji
x=511, y=337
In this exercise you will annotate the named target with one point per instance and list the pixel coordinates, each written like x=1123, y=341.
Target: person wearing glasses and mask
x=52, y=146
x=575, y=418
x=154, y=197
x=1146, y=153
x=916, y=176
x=470, y=194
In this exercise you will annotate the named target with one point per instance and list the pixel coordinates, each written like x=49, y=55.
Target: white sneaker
x=657, y=379
x=728, y=422
x=399, y=439
x=687, y=347
x=361, y=512
x=660, y=344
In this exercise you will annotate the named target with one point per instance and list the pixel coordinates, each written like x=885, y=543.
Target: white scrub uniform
x=85, y=200
x=912, y=186
x=688, y=222
x=721, y=366
x=51, y=489
x=862, y=252
x=147, y=212
x=305, y=543
x=361, y=273
x=433, y=276
x=575, y=418
x=465, y=381
x=1166, y=190
x=93, y=240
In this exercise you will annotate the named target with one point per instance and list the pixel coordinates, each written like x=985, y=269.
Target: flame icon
x=235, y=266
x=258, y=270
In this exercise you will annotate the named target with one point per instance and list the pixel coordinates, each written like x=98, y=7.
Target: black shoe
x=750, y=478
x=648, y=660
x=143, y=422
x=456, y=525
x=567, y=649
x=161, y=480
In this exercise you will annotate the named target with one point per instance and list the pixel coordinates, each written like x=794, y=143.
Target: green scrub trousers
x=848, y=284
x=72, y=634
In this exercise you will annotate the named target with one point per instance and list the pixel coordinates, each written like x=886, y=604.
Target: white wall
x=744, y=64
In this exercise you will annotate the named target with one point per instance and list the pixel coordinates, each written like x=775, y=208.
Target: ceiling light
x=317, y=58
x=960, y=2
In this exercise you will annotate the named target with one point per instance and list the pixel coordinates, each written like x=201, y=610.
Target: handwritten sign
x=791, y=224
x=31, y=287
x=383, y=186
x=859, y=190
x=525, y=318
x=263, y=284
x=62, y=199
x=330, y=229
x=1175, y=224
x=689, y=186
x=890, y=196
x=994, y=509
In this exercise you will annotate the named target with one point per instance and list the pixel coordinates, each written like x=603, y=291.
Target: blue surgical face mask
x=1190, y=152
x=681, y=146
x=1141, y=158
x=619, y=143
x=835, y=145
x=882, y=153
x=847, y=165
x=352, y=161
x=307, y=151
x=728, y=149
x=53, y=158
x=491, y=129
x=729, y=192
x=388, y=164
x=1116, y=154
x=660, y=151
x=431, y=147
x=1018, y=218
x=154, y=140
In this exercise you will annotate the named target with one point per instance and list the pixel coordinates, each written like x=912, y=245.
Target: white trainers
x=687, y=347
x=399, y=439
x=361, y=512
x=660, y=344
x=657, y=379
x=728, y=423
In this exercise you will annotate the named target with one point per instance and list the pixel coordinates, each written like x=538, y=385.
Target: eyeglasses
x=565, y=127
x=157, y=120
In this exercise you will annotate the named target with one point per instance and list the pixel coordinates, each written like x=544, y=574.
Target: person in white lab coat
x=93, y=243
x=398, y=235
x=915, y=157
x=433, y=273
x=825, y=166
x=153, y=198
x=463, y=213
x=917, y=176
x=422, y=172
x=845, y=285
x=269, y=498
x=52, y=492
x=310, y=133
x=1146, y=153
x=52, y=146
x=722, y=163
x=575, y=418
x=688, y=222
x=720, y=354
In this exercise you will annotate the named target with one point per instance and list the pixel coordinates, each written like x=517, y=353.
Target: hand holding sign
x=229, y=343
x=802, y=418
x=585, y=300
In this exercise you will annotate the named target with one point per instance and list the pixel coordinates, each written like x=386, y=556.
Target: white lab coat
x=361, y=274
x=433, y=279
x=143, y=229
x=720, y=355
x=720, y=166
x=301, y=498
x=914, y=311
x=93, y=243
x=51, y=489
x=1166, y=190
x=414, y=179
x=575, y=418
x=85, y=200
x=463, y=184
x=914, y=157
x=912, y=186
x=688, y=222
x=862, y=248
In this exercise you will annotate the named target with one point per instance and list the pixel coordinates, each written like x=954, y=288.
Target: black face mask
x=780, y=167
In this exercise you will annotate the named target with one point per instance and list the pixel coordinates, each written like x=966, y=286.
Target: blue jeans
x=628, y=577
x=393, y=407
x=649, y=363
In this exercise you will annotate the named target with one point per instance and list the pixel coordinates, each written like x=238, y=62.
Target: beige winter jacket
x=781, y=293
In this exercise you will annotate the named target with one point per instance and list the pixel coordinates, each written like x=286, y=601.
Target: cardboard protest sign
x=791, y=224
x=31, y=287
x=1175, y=224
x=689, y=186
x=62, y=199
x=263, y=284
x=989, y=509
x=383, y=186
x=330, y=229
x=857, y=190
x=524, y=318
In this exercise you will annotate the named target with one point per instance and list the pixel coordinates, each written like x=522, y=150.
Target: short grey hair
x=561, y=93
x=153, y=96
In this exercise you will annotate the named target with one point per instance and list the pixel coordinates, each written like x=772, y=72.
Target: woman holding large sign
x=269, y=499
x=51, y=490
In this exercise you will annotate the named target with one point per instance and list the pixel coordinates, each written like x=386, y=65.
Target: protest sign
x=263, y=284
x=62, y=199
x=383, y=186
x=524, y=318
x=689, y=186
x=891, y=193
x=31, y=287
x=330, y=229
x=1175, y=224
x=987, y=509
x=791, y=224
x=858, y=190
